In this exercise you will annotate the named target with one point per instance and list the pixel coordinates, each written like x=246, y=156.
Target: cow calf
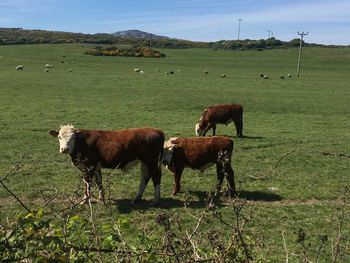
x=200, y=153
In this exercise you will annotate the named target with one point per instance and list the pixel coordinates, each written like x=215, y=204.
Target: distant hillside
x=137, y=34
x=20, y=36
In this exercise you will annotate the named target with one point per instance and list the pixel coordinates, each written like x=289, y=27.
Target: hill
x=138, y=34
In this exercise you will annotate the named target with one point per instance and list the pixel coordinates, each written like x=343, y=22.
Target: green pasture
x=288, y=124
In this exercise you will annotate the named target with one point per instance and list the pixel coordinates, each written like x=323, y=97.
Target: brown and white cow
x=92, y=150
x=200, y=153
x=223, y=114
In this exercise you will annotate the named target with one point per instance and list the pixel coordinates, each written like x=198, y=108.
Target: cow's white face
x=198, y=130
x=66, y=137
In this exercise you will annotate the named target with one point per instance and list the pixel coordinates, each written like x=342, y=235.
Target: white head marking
x=66, y=137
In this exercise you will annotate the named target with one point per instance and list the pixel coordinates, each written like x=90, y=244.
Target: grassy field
x=293, y=119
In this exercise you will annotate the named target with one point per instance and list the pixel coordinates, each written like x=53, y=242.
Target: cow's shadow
x=192, y=199
x=251, y=137
x=259, y=196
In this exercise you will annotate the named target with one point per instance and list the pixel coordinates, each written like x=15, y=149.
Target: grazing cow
x=92, y=150
x=200, y=153
x=223, y=114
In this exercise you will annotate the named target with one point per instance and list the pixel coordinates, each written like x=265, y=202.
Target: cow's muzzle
x=64, y=150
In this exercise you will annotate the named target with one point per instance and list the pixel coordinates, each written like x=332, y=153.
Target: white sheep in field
x=223, y=76
x=157, y=69
x=289, y=75
x=205, y=72
x=70, y=70
x=141, y=72
x=19, y=67
x=49, y=66
x=137, y=70
x=47, y=70
x=263, y=76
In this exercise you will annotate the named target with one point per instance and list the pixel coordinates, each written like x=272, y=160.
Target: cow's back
x=118, y=148
x=199, y=151
x=223, y=113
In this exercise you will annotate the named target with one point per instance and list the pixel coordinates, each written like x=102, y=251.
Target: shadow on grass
x=259, y=196
x=244, y=137
x=197, y=199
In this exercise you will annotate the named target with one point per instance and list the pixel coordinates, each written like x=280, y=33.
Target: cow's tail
x=161, y=152
x=160, y=159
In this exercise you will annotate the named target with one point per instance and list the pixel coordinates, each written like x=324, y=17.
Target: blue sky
x=328, y=22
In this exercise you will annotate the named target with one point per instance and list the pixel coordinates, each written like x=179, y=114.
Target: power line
x=302, y=34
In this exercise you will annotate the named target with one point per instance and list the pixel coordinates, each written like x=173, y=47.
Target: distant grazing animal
x=70, y=70
x=47, y=70
x=200, y=153
x=179, y=70
x=282, y=77
x=92, y=150
x=224, y=114
x=263, y=76
x=223, y=76
x=19, y=67
x=206, y=72
x=141, y=72
x=49, y=66
x=166, y=72
x=137, y=70
x=157, y=69
x=289, y=75
x=171, y=72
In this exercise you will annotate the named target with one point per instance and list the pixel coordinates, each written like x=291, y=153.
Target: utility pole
x=239, y=27
x=269, y=32
x=302, y=34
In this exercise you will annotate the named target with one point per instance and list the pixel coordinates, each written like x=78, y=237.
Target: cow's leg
x=145, y=176
x=87, y=178
x=156, y=174
x=98, y=181
x=214, y=128
x=238, y=122
x=220, y=171
x=229, y=173
x=209, y=125
x=177, y=178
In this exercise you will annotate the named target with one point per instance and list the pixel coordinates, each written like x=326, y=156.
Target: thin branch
x=11, y=193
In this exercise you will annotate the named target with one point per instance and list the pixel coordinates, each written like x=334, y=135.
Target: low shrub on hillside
x=125, y=52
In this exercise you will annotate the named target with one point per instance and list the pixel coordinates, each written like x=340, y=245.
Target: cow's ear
x=53, y=133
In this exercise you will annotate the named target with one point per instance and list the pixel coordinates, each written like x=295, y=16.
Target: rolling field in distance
x=287, y=124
